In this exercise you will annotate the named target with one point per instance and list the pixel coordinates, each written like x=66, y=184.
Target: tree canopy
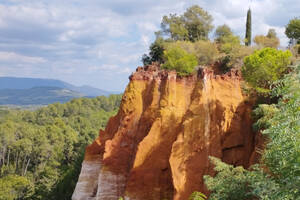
x=292, y=30
x=270, y=40
x=222, y=32
x=264, y=67
x=195, y=24
x=41, y=151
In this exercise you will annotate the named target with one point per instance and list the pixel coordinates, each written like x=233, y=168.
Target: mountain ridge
x=8, y=82
x=37, y=96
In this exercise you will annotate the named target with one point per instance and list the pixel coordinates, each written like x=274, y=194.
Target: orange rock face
x=157, y=146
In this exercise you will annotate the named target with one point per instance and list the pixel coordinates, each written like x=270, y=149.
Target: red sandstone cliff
x=158, y=144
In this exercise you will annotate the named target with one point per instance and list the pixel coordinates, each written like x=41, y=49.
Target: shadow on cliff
x=234, y=146
x=153, y=178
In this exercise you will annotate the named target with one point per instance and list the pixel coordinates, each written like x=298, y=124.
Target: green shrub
x=179, y=60
x=264, y=67
x=197, y=196
x=206, y=52
x=15, y=187
x=227, y=182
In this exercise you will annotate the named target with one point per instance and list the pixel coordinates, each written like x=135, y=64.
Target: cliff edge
x=157, y=146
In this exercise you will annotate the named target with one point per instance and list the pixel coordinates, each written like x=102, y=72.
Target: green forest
x=42, y=150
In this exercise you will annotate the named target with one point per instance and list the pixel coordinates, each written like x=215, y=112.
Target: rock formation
x=157, y=146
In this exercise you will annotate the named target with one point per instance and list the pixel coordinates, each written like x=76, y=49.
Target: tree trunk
x=8, y=157
x=26, y=166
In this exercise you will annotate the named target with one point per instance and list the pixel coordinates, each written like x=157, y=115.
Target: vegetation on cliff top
x=41, y=151
x=189, y=32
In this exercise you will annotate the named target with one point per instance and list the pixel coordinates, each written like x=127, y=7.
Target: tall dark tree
x=248, y=29
x=156, y=51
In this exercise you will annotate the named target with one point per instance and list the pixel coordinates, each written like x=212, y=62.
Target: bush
x=156, y=51
x=206, y=52
x=231, y=50
x=197, y=196
x=263, y=41
x=178, y=59
x=264, y=67
x=227, y=182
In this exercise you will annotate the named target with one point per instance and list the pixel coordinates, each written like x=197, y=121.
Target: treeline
x=41, y=151
x=183, y=42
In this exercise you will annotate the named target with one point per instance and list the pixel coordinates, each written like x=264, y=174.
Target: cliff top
x=153, y=71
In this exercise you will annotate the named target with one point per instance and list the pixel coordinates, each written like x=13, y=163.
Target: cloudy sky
x=100, y=42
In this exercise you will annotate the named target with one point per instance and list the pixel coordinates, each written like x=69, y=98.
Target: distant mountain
x=37, y=96
x=28, y=83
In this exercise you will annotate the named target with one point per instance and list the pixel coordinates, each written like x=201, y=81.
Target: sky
x=100, y=42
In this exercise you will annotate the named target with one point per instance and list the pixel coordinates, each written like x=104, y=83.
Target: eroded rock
x=158, y=144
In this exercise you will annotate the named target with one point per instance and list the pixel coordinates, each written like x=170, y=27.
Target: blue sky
x=100, y=42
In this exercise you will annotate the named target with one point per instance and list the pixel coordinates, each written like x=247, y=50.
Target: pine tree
x=248, y=29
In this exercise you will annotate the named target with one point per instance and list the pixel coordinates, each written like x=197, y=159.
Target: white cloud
x=11, y=57
x=100, y=42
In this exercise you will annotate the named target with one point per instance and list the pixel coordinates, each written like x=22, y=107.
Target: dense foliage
x=41, y=151
x=206, y=52
x=179, y=60
x=222, y=32
x=189, y=32
x=278, y=175
x=197, y=196
x=292, y=30
x=270, y=40
x=156, y=51
x=195, y=24
x=264, y=67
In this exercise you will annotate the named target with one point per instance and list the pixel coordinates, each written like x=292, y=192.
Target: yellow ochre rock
x=157, y=146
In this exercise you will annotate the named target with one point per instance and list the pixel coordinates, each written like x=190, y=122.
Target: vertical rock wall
x=158, y=144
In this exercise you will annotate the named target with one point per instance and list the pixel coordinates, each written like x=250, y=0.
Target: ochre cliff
x=157, y=146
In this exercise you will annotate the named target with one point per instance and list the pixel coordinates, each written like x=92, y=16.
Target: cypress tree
x=248, y=29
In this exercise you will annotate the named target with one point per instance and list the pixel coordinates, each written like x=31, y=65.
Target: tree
x=41, y=151
x=146, y=60
x=272, y=33
x=195, y=24
x=15, y=187
x=292, y=30
x=270, y=40
x=264, y=67
x=179, y=60
x=198, y=22
x=222, y=32
x=174, y=26
x=156, y=52
x=248, y=29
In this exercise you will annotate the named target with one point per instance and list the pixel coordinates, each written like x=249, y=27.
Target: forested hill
x=37, y=96
x=41, y=151
x=28, y=83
